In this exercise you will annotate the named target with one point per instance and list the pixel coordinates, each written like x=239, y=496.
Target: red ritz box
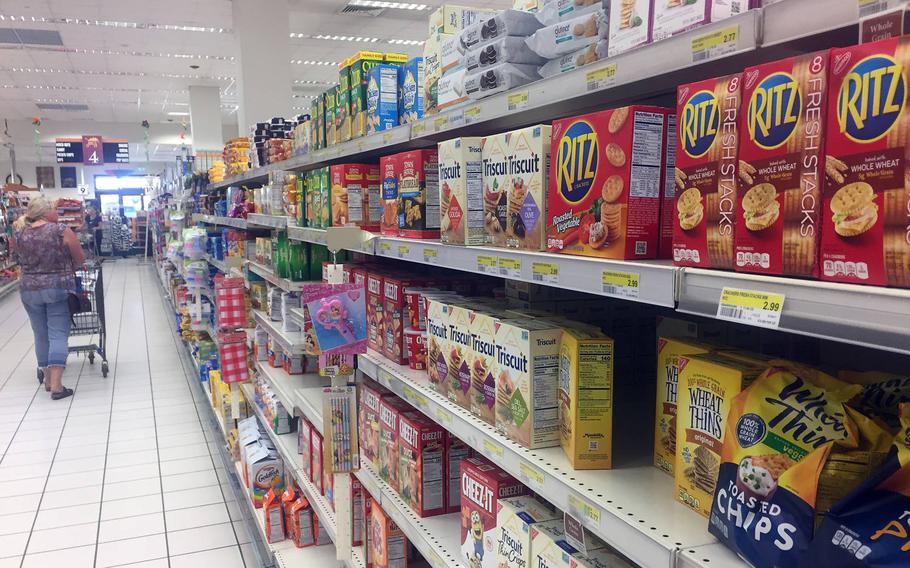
x=781, y=166
x=375, y=325
x=482, y=486
x=865, y=231
x=422, y=460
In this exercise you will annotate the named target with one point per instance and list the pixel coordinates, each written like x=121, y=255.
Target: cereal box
x=350, y=198
x=865, y=236
x=707, y=115
x=630, y=25
x=515, y=517
x=780, y=166
x=459, y=356
x=371, y=394
x=708, y=382
x=495, y=158
x=438, y=344
x=527, y=173
x=669, y=349
x=418, y=194
x=527, y=352
x=483, y=365
x=605, y=183
x=482, y=486
x=586, y=397
x=410, y=91
x=382, y=98
x=388, y=545
x=461, y=213
x=343, y=104
x=388, y=172
x=456, y=451
x=390, y=408
x=422, y=464
x=375, y=306
x=360, y=65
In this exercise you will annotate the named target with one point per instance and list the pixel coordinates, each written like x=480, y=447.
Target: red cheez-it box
x=780, y=166
x=707, y=116
x=375, y=321
x=422, y=464
x=482, y=486
x=866, y=207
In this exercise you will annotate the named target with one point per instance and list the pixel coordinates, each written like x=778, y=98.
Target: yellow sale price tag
x=471, y=113
x=444, y=416
x=430, y=256
x=403, y=251
x=418, y=128
x=486, y=264
x=546, y=272
x=601, y=78
x=440, y=122
x=750, y=306
x=509, y=267
x=517, y=101
x=715, y=44
x=620, y=284
x=385, y=247
x=584, y=510
x=492, y=448
x=531, y=474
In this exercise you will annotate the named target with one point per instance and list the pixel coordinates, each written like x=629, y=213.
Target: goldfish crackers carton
x=707, y=125
x=781, y=166
x=461, y=192
x=865, y=223
x=482, y=486
x=599, y=204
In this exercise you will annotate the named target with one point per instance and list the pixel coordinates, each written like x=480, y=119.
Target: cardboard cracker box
x=382, y=98
x=675, y=17
x=515, y=517
x=483, y=366
x=781, y=166
x=390, y=410
x=459, y=355
x=372, y=198
x=482, y=486
x=388, y=545
x=495, y=159
x=418, y=194
x=707, y=116
x=375, y=307
x=394, y=314
x=630, y=25
x=461, y=214
x=388, y=172
x=438, y=344
x=411, y=77
x=432, y=68
x=528, y=169
x=350, y=195
x=667, y=214
x=450, y=19
x=422, y=464
x=331, y=107
x=360, y=65
x=456, y=451
x=343, y=104
x=599, y=204
x=371, y=394
x=867, y=195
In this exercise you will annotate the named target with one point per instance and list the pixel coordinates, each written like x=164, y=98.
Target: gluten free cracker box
x=482, y=486
x=527, y=408
x=865, y=234
x=708, y=383
x=605, y=183
x=461, y=212
x=781, y=166
x=515, y=517
x=422, y=464
x=630, y=25
x=527, y=171
x=707, y=116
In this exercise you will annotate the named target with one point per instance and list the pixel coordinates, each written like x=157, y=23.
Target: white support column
x=205, y=118
x=262, y=29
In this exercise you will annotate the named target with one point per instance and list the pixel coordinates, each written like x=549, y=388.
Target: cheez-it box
x=866, y=228
x=605, y=183
x=707, y=123
x=375, y=321
x=482, y=486
x=422, y=464
x=780, y=166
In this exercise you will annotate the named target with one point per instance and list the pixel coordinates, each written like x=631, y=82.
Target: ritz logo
x=699, y=124
x=576, y=161
x=774, y=110
x=871, y=99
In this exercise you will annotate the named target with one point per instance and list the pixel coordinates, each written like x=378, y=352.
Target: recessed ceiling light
x=178, y=113
x=393, y=5
x=115, y=24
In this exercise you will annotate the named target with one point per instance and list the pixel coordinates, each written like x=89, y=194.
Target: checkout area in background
x=121, y=203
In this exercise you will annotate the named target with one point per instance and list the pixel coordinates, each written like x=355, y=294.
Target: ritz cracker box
x=482, y=486
x=461, y=212
x=707, y=116
x=422, y=464
x=418, y=194
x=781, y=166
x=606, y=183
x=866, y=203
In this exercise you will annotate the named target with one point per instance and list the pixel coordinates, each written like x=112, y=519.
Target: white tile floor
x=123, y=473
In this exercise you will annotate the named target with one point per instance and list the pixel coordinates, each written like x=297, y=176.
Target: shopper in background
x=48, y=254
x=93, y=227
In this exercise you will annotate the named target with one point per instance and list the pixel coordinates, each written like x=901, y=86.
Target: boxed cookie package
x=781, y=166
x=482, y=486
x=418, y=194
x=707, y=116
x=630, y=25
x=461, y=192
x=599, y=204
x=867, y=194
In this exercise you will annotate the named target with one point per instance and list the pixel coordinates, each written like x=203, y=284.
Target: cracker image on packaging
x=760, y=208
x=629, y=25
x=528, y=173
x=854, y=209
x=461, y=212
x=494, y=155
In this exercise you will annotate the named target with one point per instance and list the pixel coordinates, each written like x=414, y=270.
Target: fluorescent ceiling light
x=312, y=62
x=114, y=24
x=116, y=73
x=394, y=5
x=357, y=39
x=178, y=113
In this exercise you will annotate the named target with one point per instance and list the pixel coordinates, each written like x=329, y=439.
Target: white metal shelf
x=286, y=386
x=234, y=222
x=715, y=555
x=293, y=342
x=270, y=221
x=309, y=401
x=630, y=507
x=269, y=275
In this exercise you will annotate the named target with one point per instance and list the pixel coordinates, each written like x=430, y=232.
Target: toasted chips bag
x=870, y=527
x=779, y=434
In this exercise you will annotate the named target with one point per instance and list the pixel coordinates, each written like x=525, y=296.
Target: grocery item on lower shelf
x=422, y=464
x=388, y=544
x=515, y=518
x=390, y=410
x=482, y=486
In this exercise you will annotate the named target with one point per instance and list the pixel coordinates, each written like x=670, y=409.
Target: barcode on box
x=641, y=247
x=731, y=312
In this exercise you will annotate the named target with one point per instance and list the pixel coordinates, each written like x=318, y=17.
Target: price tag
x=621, y=284
x=584, y=511
x=440, y=122
x=869, y=7
x=531, y=475
x=436, y=561
x=545, y=272
x=403, y=251
x=492, y=449
x=409, y=393
x=456, y=118
x=517, y=101
x=509, y=267
x=471, y=114
x=386, y=137
x=431, y=256
x=385, y=378
x=601, y=78
x=751, y=307
x=418, y=128
x=444, y=417
x=714, y=44
x=486, y=264
x=385, y=248
x=360, y=145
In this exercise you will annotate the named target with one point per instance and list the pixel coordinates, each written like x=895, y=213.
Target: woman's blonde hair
x=38, y=207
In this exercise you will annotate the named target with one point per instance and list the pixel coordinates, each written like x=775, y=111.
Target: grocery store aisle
x=124, y=471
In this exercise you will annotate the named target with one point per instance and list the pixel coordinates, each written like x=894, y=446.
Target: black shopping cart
x=90, y=323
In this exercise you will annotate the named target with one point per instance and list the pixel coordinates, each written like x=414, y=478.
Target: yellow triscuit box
x=586, y=397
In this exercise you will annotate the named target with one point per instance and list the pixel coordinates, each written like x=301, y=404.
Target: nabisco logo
x=477, y=492
x=841, y=61
x=408, y=434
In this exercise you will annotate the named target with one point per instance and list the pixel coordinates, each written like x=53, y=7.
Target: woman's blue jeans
x=49, y=312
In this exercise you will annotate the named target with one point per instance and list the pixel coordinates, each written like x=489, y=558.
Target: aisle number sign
x=91, y=151
x=750, y=307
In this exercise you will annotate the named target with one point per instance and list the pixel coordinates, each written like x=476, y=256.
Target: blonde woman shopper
x=48, y=253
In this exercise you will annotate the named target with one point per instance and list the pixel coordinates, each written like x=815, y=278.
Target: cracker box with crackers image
x=527, y=174
x=483, y=364
x=388, y=545
x=390, y=410
x=438, y=343
x=418, y=194
x=707, y=385
x=375, y=285
x=388, y=173
x=707, y=142
x=867, y=193
x=781, y=166
x=599, y=204
x=422, y=464
x=459, y=355
x=371, y=393
x=630, y=25
x=461, y=192
x=515, y=517
x=482, y=486
x=494, y=155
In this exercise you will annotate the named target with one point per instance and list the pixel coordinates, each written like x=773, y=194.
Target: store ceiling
x=133, y=64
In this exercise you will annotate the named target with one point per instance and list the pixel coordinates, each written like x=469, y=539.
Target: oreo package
x=498, y=78
x=505, y=23
x=507, y=49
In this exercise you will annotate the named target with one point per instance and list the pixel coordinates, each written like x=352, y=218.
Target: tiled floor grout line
x=126, y=538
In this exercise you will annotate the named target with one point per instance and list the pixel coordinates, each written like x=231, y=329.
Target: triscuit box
x=483, y=367
x=527, y=408
x=515, y=518
x=382, y=98
x=459, y=355
x=432, y=68
x=781, y=166
x=438, y=344
x=549, y=548
x=630, y=25
x=707, y=385
x=410, y=91
x=495, y=158
x=669, y=350
x=482, y=486
x=461, y=192
x=422, y=464
x=450, y=19
x=389, y=546
x=586, y=397
x=528, y=170
x=361, y=63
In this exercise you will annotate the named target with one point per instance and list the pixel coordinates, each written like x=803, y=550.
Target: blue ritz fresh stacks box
x=410, y=90
x=382, y=98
